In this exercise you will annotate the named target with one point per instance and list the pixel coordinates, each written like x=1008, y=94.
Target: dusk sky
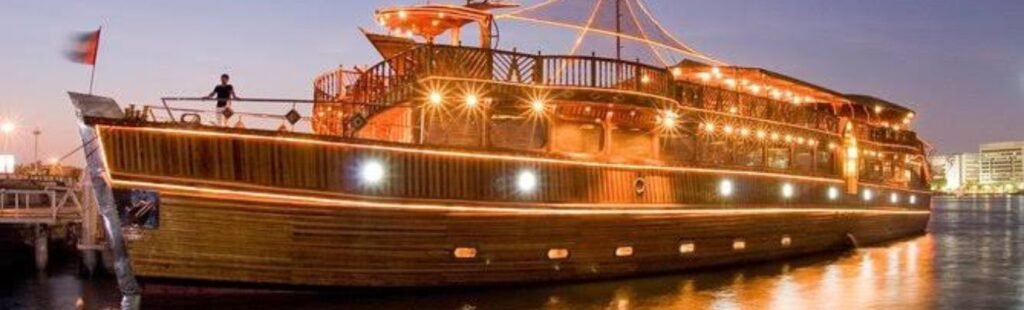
x=959, y=63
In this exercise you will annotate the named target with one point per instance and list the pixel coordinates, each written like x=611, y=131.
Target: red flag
x=85, y=47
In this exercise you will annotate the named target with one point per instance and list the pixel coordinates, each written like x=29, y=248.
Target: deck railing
x=392, y=81
x=254, y=113
x=334, y=85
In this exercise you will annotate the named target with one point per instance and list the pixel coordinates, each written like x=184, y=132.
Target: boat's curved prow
x=92, y=106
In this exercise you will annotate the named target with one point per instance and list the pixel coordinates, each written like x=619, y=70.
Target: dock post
x=41, y=244
x=89, y=235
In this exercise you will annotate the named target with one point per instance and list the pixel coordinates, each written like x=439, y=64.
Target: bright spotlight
x=868, y=195
x=435, y=98
x=726, y=188
x=669, y=119
x=526, y=181
x=894, y=198
x=787, y=190
x=833, y=193
x=538, y=106
x=472, y=100
x=372, y=172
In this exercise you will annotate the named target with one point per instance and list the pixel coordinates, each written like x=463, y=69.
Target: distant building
x=956, y=171
x=6, y=163
x=1002, y=164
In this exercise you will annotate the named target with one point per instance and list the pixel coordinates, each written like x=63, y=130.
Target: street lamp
x=7, y=127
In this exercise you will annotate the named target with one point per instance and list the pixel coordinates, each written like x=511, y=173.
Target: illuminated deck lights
x=435, y=98
x=726, y=188
x=472, y=100
x=833, y=193
x=526, y=181
x=372, y=172
x=868, y=195
x=538, y=106
x=788, y=190
x=669, y=119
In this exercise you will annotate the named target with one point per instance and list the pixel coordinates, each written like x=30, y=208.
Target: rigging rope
x=649, y=31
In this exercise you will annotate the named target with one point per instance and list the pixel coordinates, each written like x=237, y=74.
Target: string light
x=709, y=127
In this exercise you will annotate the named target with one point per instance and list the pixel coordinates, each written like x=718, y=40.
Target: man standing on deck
x=224, y=92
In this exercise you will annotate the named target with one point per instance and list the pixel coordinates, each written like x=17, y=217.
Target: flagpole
x=92, y=77
x=96, y=55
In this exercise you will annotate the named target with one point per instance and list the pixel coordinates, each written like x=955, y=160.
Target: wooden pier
x=38, y=205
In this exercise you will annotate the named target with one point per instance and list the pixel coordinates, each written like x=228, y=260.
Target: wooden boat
x=449, y=165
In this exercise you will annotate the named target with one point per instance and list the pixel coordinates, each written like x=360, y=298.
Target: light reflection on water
x=971, y=259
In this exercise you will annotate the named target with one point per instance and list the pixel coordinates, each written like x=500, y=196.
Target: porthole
x=739, y=245
x=624, y=251
x=640, y=186
x=687, y=247
x=464, y=252
x=558, y=253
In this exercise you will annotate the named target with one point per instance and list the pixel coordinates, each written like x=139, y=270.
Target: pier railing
x=47, y=205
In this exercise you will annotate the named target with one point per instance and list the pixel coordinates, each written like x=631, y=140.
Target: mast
x=618, y=29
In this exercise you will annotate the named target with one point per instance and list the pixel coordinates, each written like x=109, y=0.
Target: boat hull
x=280, y=209
x=220, y=239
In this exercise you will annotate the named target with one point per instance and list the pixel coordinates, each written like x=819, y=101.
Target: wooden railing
x=334, y=85
x=392, y=80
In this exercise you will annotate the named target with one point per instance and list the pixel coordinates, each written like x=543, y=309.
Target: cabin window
x=453, y=130
x=632, y=143
x=678, y=146
x=748, y=155
x=825, y=161
x=716, y=152
x=578, y=137
x=778, y=157
x=803, y=159
x=517, y=133
x=871, y=168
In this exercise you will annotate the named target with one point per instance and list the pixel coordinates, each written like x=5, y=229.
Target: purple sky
x=959, y=63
